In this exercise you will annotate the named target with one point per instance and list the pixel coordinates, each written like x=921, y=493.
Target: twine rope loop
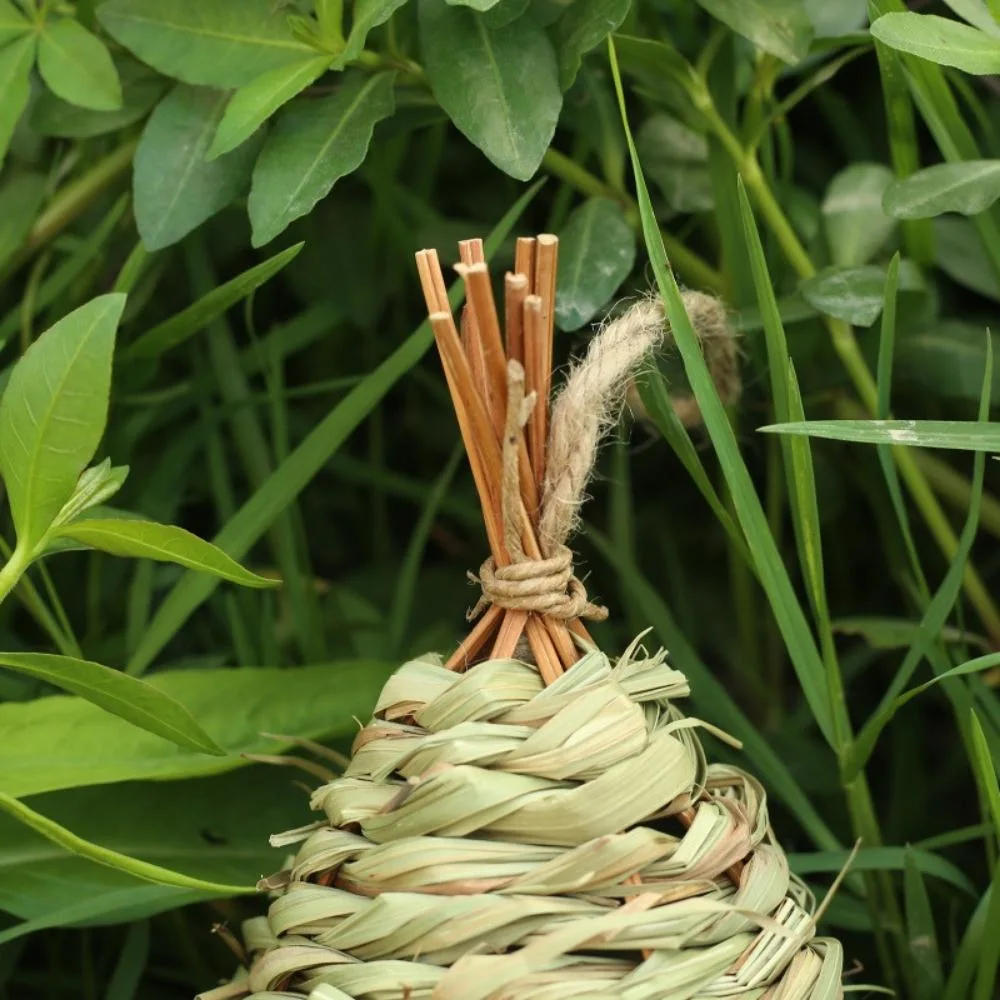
x=545, y=586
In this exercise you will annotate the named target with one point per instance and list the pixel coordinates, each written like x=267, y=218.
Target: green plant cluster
x=211, y=329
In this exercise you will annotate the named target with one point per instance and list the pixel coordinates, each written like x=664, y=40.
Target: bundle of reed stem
x=531, y=819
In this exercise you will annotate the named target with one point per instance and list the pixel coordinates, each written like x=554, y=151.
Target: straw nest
x=497, y=838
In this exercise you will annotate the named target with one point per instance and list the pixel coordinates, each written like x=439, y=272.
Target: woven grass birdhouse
x=534, y=819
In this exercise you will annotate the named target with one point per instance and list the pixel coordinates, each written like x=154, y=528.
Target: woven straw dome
x=528, y=820
x=497, y=838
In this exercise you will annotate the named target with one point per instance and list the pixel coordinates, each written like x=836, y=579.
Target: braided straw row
x=485, y=813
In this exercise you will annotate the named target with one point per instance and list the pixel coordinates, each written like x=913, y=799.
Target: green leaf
x=939, y=40
x=962, y=435
x=986, y=775
x=850, y=293
x=124, y=983
x=301, y=465
x=215, y=43
x=69, y=841
x=129, y=698
x=94, y=487
x=960, y=254
x=947, y=360
x=213, y=828
x=367, y=14
x=16, y=60
x=13, y=24
x=164, y=543
x=175, y=187
x=77, y=67
x=830, y=20
x=313, y=702
x=499, y=86
x=596, y=254
x=675, y=158
x=582, y=27
x=882, y=859
x=977, y=14
x=856, y=225
x=254, y=103
x=312, y=145
x=781, y=27
x=53, y=413
x=21, y=196
x=177, y=329
x=968, y=188
x=141, y=89
x=921, y=935
x=898, y=633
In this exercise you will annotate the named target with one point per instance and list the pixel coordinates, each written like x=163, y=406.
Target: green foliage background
x=248, y=180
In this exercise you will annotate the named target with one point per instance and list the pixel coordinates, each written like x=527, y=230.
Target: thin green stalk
x=12, y=571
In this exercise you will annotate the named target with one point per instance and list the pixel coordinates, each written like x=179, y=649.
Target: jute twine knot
x=545, y=586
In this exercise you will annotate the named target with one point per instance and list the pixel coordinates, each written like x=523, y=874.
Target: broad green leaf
x=21, y=197
x=254, y=103
x=94, y=487
x=13, y=23
x=215, y=43
x=177, y=329
x=478, y=5
x=977, y=14
x=176, y=188
x=16, y=60
x=213, y=828
x=314, y=702
x=77, y=67
x=164, y=543
x=961, y=435
x=856, y=225
x=939, y=40
x=767, y=559
x=967, y=188
x=367, y=14
x=960, y=254
x=53, y=412
x=947, y=360
x=582, y=27
x=301, y=465
x=312, y=145
x=832, y=19
x=141, y=89
x=882, y=859
x=69, y=841
x=131, y=699
x=505, y=11
x=676, y=160
x=499, y=86
x=781, y=27
x=850, y=293
x=596, y=254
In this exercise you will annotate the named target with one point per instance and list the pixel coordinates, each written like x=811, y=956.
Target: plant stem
x=687, y=262
x=72, y=201
x=12, y=571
